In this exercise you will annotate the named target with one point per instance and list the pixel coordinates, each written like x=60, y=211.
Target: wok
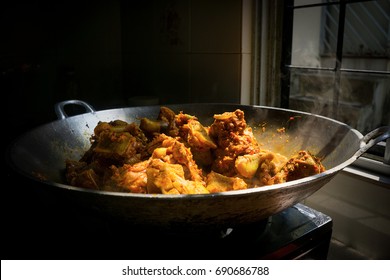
x=40, y=155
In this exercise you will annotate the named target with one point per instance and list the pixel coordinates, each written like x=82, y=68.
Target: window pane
x=329, y=30
x=311, y=47
x=312, y=91
x=364, y=101
x=310, y=2
x=357, y=92
x=367, y=36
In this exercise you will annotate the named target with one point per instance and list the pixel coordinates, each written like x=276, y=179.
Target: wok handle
x=374, y=137
x=60, y=111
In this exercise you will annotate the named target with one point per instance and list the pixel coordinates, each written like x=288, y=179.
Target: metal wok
x=40, y=155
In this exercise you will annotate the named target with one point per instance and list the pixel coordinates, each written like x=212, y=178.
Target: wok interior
x=42, y=151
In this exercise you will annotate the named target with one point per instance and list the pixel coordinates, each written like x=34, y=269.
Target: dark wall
x=182, y=51
x=105, y=52
x=66, y=50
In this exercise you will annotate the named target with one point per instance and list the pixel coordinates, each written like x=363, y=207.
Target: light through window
x=338, y=61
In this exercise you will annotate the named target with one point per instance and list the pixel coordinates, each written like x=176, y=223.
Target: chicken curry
x=176, y=154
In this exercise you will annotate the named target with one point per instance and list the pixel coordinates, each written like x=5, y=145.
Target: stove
x=38, y=226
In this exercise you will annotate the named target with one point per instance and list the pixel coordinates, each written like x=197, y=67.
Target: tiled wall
x=49, y=53
x=108, y=51
x=182, y=51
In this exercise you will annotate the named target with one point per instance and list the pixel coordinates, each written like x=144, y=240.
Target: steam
x=361, y=101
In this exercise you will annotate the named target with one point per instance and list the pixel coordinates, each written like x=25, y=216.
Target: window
x=336, y=61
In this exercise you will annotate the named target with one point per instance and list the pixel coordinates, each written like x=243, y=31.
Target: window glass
x=312, y=91
x=310, y=46
x=307, y=39
x=310, y=2
x=361, y=99
x=329, y=28
x=367, y=36
x=357, y=91
x=364, y=101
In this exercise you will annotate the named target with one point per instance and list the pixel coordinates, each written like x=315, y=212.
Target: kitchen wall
x=106, y=52
x=182, y=51
x=71, y=50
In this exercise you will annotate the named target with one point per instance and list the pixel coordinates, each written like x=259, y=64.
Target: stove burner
x=35, y=219
x=293, y=233
x=82, y=234
x=251, y=231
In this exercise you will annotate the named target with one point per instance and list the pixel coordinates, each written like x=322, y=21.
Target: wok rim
x=258, y=189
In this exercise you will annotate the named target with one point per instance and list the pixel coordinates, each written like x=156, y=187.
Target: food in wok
x=176, y=154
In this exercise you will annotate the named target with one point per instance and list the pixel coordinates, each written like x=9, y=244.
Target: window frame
x=272, y=45
x=286, y=68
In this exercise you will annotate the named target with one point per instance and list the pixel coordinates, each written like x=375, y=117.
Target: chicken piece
x=269, y=167
x=116, y=142
x=168, y=178
x=216, y=182
x=247, y=165
x=117, y=148
x=194, y=133
x=80, y=174
x=278, y=162
x=175, y=152
x=127, y=178
x=165, y=123
x=271, y=164
x=113, y=143
x=263, y=165
x=196, y=136
x=153, y=127
x=234, y=138
x=167, y=115
x=115, y=126
x=170, y=169
x=302, y=165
